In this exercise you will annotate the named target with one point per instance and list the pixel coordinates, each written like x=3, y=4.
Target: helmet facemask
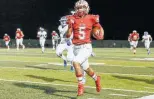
x=63, y=22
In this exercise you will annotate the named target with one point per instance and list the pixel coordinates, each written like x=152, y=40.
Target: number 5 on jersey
x=82, y=32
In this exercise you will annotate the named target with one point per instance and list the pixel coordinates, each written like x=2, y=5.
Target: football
x=97, y=33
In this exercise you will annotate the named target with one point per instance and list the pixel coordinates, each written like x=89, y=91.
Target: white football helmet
x=5, y=34
x=81, y=7
x=146, y=33
x=53, y=31
x=18, y=29
x=41, y=29
x=134, y=31
x=63, y=21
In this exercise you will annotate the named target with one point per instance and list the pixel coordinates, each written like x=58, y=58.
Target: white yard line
x=126, y=66
x=147, y=97
x=39, y=65
x=104, y=65
x=119, y=95
x=60, y=64
x=128, y=74
x=68, y=85
x=17, y=67
x=148, y=88
x=21, y=61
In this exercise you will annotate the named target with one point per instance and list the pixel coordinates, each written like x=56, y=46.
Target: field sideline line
x=24, y=68
x=65, y=85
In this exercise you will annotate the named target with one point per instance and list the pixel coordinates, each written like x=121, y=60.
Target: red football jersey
x=82, y=27
x=19, y=34
x=6, y=38
x=134, y=36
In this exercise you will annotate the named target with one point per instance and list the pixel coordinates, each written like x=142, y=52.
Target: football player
x=19, y=38
x=134, y=37
x=55, y=38
x=81, y=25
x=147, y=39
x=42, y=35
x=65, y=43
x=6, y=38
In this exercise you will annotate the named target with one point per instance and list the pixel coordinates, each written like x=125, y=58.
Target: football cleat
x=98, y=84
x=80, y=89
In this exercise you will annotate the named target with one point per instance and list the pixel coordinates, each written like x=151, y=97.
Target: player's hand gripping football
x=98, y=33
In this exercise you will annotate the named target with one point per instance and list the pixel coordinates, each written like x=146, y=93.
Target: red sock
x=94, y=76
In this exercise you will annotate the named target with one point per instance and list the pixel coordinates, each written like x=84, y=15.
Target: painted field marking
x=128, y=74
x=147, y=97
x=66, y=70
x=104, y=65
x=68, y=85
x=60, y=64
x=148, y=88
x=119, y=95
x=40, y=65
x=146, y=59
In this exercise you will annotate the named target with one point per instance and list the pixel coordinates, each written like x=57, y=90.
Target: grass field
x=29, y=74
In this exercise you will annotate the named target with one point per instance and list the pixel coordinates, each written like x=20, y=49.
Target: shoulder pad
x=95, y=18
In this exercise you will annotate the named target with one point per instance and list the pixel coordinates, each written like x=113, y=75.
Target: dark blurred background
x=118, y=17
